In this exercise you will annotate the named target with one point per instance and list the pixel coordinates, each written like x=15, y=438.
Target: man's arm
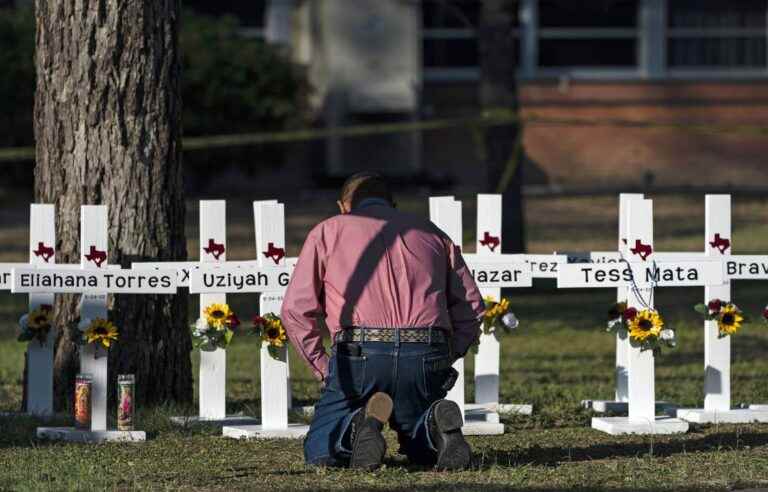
x=303, y=305
x=465, y=304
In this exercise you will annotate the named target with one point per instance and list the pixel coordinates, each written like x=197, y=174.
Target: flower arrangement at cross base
x=215, y=329
x=727, y=314
x=98, y=332
x=36, y=325
x=270, y=328
x=645, y=327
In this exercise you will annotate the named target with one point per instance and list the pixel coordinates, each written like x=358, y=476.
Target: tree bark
x=108, y=131
x=498, y=91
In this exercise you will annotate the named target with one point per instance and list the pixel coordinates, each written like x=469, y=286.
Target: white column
x=529, y=37
x=93, y=359
x=642, y=399
x=487, y=359
x=279, y=21
x=717, y=351
x=213, y=364
x=42, y=236
x=445, y=213
x=652, y=45
x=622, y=340
x=269, y=219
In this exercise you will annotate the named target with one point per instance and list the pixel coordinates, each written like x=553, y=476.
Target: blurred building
x=384, y=61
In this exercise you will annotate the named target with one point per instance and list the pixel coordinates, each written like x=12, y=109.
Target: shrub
x=17, y=76
x=234, y=85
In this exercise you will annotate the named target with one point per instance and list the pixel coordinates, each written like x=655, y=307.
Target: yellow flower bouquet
x=98, y=331
x=727, y=314
x=497, y=317
x=272, y=332
x=647, y=331
x=36, y=324
x=215, y=329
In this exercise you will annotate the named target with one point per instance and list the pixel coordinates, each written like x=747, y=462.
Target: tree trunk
x=498, y=91
x=108, y=131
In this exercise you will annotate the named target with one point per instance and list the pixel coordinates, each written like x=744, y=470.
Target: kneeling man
x=401, y=307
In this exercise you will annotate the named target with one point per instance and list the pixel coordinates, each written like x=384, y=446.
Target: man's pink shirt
x=382, y=268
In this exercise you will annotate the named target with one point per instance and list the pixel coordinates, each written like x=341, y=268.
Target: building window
x=591, y=33
x=450, y=33
x=717, y=34
x=450, y=50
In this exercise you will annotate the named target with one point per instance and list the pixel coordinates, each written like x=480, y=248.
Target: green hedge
x=17, y=77
x=229, y=84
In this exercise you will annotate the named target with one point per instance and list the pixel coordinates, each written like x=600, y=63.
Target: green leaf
x=274, y=352
x=701, y=309
x=228, y=334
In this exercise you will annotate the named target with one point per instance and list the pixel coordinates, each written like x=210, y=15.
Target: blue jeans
x=413, y=374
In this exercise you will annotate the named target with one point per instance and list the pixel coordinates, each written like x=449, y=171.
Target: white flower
x=23, y=323
x=510, y=321
x=201, y=326
x=668, y=336
x=84, y=324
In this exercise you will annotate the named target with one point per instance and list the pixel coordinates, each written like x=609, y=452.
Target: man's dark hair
x=366, y=184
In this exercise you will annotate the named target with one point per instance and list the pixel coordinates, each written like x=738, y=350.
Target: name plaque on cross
x=491, y=273
x=228, y=279
x=87, y=281
x=659, y=274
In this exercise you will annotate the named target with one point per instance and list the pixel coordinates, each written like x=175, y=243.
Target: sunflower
x=730, y=320
x=495, y=309
x=217, y=315
x=274, y=333
x=645, y=325
x=101, y=331
x=39, y=320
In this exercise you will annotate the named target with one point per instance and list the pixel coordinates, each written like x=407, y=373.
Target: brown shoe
x=368, y=445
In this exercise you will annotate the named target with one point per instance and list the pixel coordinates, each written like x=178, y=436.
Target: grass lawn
x=560, y=355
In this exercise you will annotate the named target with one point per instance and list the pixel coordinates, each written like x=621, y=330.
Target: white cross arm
x=234, y=279
x=491, y=273
x=6, y=270
x=184, y=268
x=92, y=281
x=541, y=266
x=6, y=274
x=746, y=267
x=646, y=274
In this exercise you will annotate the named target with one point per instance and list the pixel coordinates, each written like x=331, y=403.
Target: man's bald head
x=358, y=187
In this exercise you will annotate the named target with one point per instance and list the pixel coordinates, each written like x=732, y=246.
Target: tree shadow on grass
x=555, y=456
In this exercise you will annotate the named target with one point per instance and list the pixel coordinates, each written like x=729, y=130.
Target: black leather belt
x=406, y=335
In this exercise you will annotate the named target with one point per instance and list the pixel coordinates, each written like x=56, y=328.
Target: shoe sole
x=455, y=453
x=370, y=447
x=379, y=406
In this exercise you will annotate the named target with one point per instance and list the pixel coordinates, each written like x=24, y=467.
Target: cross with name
x=491, y=271
x=94, y=280
x=39, y=356
x=640, y=273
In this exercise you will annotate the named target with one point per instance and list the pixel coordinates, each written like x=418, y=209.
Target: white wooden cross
x=94, y=280
x=717, y=350
x=269, y=221
x=42, y=241
x=488, y=357
x=212, y=404
x=268, y=276
x=645, y=273
x=445, y=213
